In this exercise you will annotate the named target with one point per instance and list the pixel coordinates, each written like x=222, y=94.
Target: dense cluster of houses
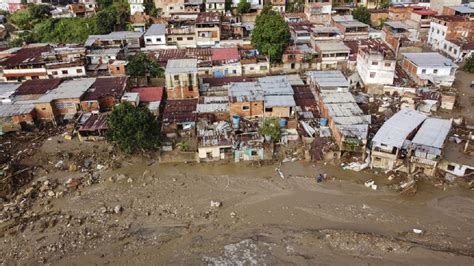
x=343, y=89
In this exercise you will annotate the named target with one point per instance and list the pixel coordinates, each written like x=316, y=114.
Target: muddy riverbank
x=136, y=211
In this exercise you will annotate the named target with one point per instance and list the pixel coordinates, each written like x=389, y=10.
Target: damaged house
x=270, y=96
x=348, y=124
x=214, y=140
x=64, y=101
x=14, y=116
x=104, y=94
x=389, y=143
x=428, y=144
x=179, y=118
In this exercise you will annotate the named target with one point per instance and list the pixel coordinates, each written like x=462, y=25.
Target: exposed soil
x=135, y=211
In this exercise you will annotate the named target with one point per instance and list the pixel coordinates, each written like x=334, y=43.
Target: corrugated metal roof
x=7, y=89
x=149, y=94
x=396, y=129
x=279, y=101
x=9, y=110
x=465, y=9
x=328, y=79
x=68, y=89
x=212, y=108
x=275, y=85
x=433, y=133
x=337, y=97
x=246, y=91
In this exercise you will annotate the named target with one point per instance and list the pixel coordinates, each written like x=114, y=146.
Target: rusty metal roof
x=106, y=86
x=26, y=56
x=37, y=86
x=180, y=111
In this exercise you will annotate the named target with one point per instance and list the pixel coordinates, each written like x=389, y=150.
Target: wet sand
x=264, y=219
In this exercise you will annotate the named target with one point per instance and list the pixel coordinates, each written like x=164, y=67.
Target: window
x=55, y=73
x=148, y=40
x=435, y=71
x=176, y=77
x=269, y=109
x=451, y=167
x=372, y=74
x=179, y=38
x=445, y=47
x=65, y=72
x=190, y=89
x=245, y=108
x=117, y=68
x=190, y=38
x=388, y=64
x=437, y=31
x=375, y=63
x=254, y=153
x=158, y=39
x=170, y=39
x=234, y=71
x=79, y=70
x=423, y=71
x=252, y=68
x=263, y=67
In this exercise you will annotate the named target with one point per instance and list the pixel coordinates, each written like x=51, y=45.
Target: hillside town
x=368, y=87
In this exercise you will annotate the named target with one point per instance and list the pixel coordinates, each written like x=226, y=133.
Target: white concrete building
x=215, y=6
x=334, y=54
x=136, y=6
x=458, y=50
x=376, y=66
x=437, y=35
x=155, y=35
x=66, y=70
x=426, y=68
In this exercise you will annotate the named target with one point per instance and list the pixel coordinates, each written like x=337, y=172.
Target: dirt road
x=144, y=213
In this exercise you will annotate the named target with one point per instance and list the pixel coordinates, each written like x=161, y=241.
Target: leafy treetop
x=131, y=128
x=362, y=14
x=271, y=34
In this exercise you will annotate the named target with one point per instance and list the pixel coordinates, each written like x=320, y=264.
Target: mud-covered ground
x=136, y=211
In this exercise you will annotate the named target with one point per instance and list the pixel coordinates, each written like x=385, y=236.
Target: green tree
x=384, y=4
x=104, y=3
x=39, y=12
x=362, y=14
x=150, y=8
x=295, y=6
x=131, y=128
x=469, y=65
x=21, y=19
x=271, y=128
x=183, y=145
x=105, y=21
x=243, y=7
x=64, y=30
x=271, y=34
x=141, y=66
x=228, y=5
